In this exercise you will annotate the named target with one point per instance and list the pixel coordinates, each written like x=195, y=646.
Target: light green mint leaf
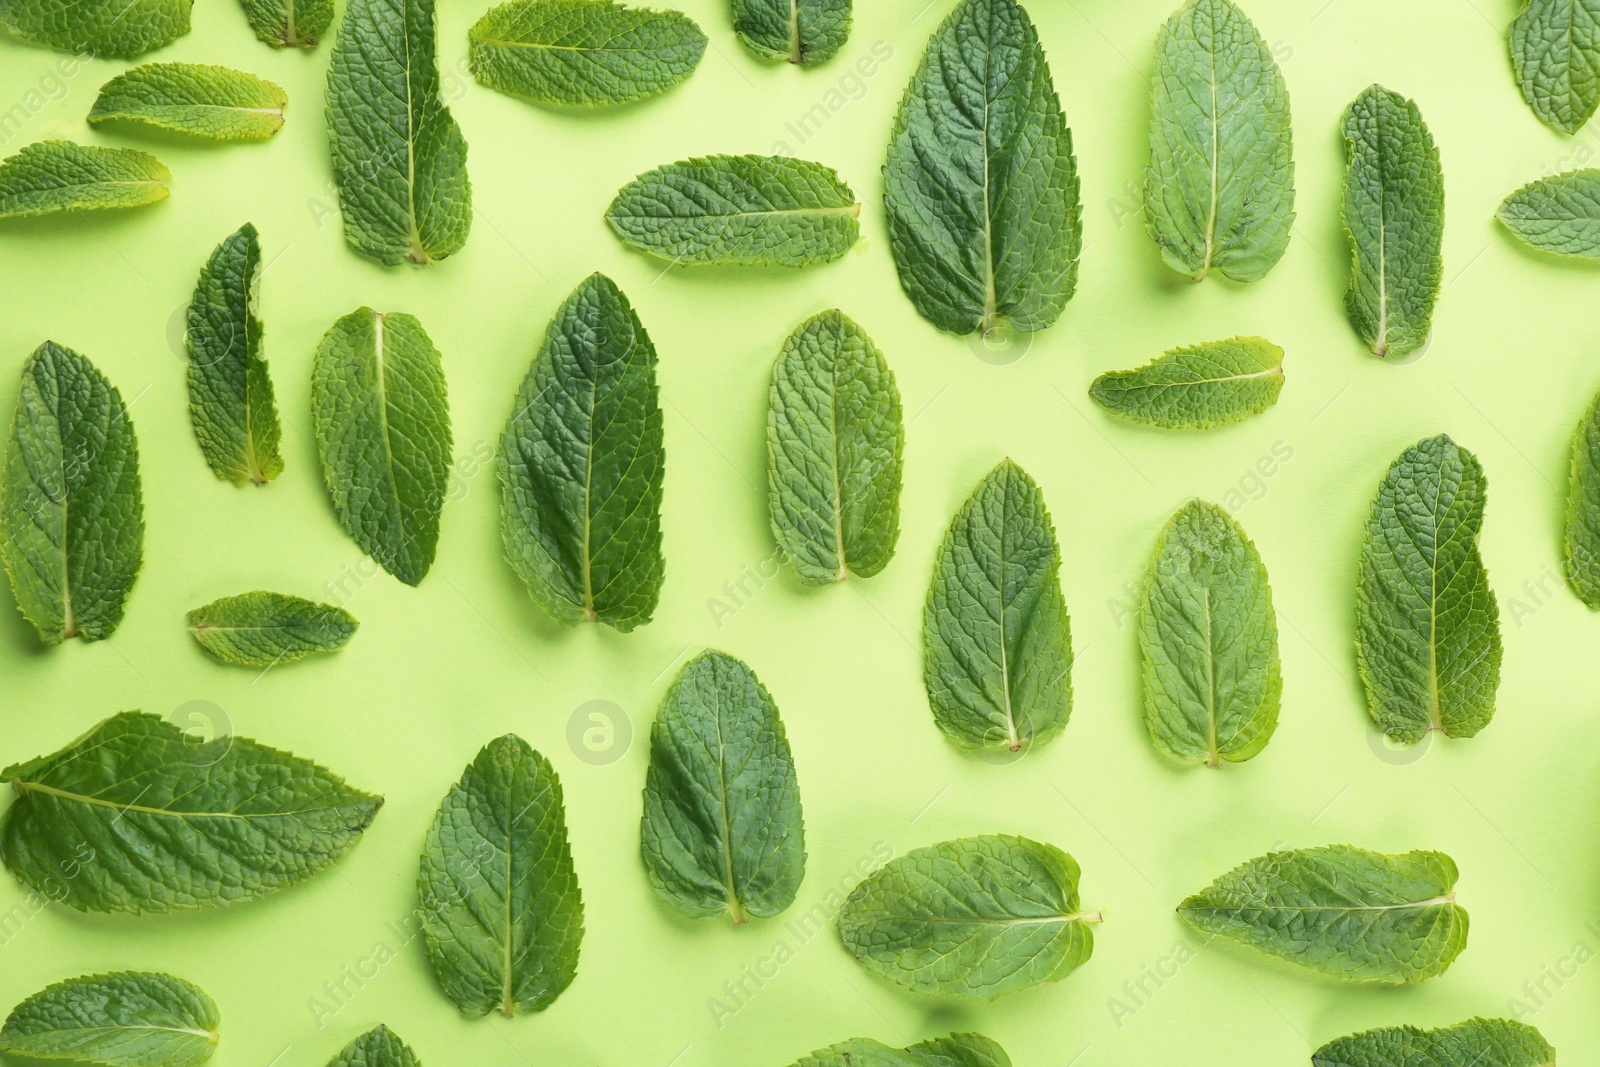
x=722, y=830
x=1209, y=641
x=1219, y=190
x=230, y=394
x=383, y=432
x=502, y=917
x=50, y=176
x=581, y=463
x=289, y=23
x=1559, y=215
x=104, y=29
x=399, y=159
x=193, y=98
x=126, y=1019
x=764, y=211
x=1341, y=911
x=805, y=32
x=1199, y=387
x=1394, y=218
x=959, y=1050
x=265, y=629
x=981, y=187
x=1583, y=510
x=834, y=445
x=859, y=1052
x=378, y=1047
x=997, y=649
x=1555, y=49
x=73, y=535
x=1427, y=625
x=1474, y=1043
x=583, y=52
x=152, y=819
x=975, y=917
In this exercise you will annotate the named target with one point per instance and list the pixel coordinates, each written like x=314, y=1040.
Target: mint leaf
x=975, y=917
x=997, y=650
x=153, y=820
x=722, y=830
x=765, y=211
x=805, y=32
x=1219, y=191
x=959, y=1050
x=1583, y=510
x=1199, y=387
x=398, y=156
x=1476, y=1042
x=858, y=1052
x=289, y=23
x=1340, y=911
x=583, y=52
x=581, y=462
x=378, y=1047
x=1209, y=640
x=50, y=176
x=114, y=29
x=193, y=98
x=834, y=444
x=1555, y=49
x=1559, y=215
x=1394, y=218
x=1427, y=626
x=502, y=917
x=981, y=187
x=126, y=1019
x=230, y=394
x=383, y=432
x=73, y=536
x=265, y=629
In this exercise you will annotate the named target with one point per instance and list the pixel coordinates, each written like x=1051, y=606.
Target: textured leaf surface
x=1474, y=1043
x=1427, y=625
x=126, y=1019
x=1198, y=387
x=959, y=1050
x=398, y=156
x=1559, y=215
x=152, y=820
x=800, y=31
x=766, y=211
x=1209, y=641
x=383, y=432
x=997, y=651
x=581, y=463
x=50, y=176
x=73, y=530
x=502, y=915
x=981, y=187
x=265, y=629
x=975, y=917
x=1555, y=49
x=834, y=444
x=289, y=23
x=230, y=393
x=1219, y=191
x=583, y=52
x=193, y=98
x=1394, y=218
x=722, y=829
x=1341, y=911
x=378, y=1047
x=1583, y=510
x=116, y=29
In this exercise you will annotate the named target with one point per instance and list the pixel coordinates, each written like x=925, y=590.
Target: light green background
x=436, y=672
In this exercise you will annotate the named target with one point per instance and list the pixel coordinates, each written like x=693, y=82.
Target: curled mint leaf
x=289, y=23
x=1555, y=50
x=1476, y=1042
x=1198, y=387
x=126, y=1019
x=1559, y=215
x=193, y=98
x=804, y=32
x=1583, y=510
x=50, y=176
x=105, y=29
x=265, y=629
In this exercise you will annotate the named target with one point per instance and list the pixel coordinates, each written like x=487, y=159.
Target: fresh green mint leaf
x=805, y=32
x=378, y=1047
x=1198, y=387
x=51, y=176
x=193, y=98
x=1559, y=215
x=1583, y=510
x=1555, y=50
x=1474, y=1043
x=104, y=29
x=289, y=23
x=959, y=1050
x=126, y=1019
x=265, y=629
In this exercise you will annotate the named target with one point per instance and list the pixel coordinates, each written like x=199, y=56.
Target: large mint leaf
x=1209, y=641
x=1559, y=215
x=1474, y=1043
x=834, y=444
x=193, y=98
x=722, y=830
x=1198, y=387
x=800, y=31
x=583, y=52
x=50, y=176
x=398, y=156
x=581, y=463
x=1555, y=49
x=126, y=1019
x=502, y=917
x=383, y=432
x=265, y=629
x=981, y=187
x=765, y=211
x=152, y=820
x=959, y=1050
x=73, y=529
x=105, y=29
x=378, y=1047
x=1583, y=509
x=230, y=393
x=997, y=650
x=1341, y=911
x=1394, y=218
x=289, y=23
x=975, y=917
x=1219, y=191
x=1427, y=625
